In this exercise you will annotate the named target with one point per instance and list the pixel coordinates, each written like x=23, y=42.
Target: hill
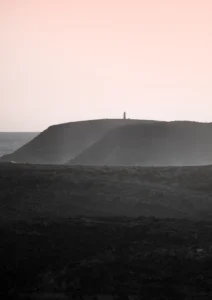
x=30, y=191
x=152, y=144
x=60, y=143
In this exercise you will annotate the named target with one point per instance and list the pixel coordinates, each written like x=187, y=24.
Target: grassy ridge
x=28, y=191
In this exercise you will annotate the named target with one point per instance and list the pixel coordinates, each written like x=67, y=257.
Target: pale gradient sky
x=66, y=60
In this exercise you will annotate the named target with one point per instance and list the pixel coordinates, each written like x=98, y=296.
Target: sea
x=11, y=141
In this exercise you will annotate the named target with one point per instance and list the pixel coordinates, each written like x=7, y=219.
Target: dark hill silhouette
x=60, y=143
x=154, y=144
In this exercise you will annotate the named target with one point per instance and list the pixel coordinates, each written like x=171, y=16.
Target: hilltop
x=60, y=143
x=178, y=143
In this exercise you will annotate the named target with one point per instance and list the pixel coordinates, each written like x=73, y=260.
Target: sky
x=69, y=60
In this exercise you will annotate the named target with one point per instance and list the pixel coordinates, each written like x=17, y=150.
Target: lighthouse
x=124, y=116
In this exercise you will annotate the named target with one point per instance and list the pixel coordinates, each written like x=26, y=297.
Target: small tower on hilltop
x=124, y=116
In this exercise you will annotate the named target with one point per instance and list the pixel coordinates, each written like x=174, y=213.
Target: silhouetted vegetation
x=73, y=231
x=153, y=258
x=29, y=191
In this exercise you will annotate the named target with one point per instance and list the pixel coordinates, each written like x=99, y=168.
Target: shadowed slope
x=60, y=143
x=155, y=144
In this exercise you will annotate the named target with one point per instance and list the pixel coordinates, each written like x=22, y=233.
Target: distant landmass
x=119, y=142
x=60, y=143
x=177, y=143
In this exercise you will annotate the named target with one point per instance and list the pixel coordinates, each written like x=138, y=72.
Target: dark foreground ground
x=79, y=257
x=61, y=236
x=29, y=191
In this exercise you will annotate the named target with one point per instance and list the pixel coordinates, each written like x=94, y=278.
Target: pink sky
x=69, y=60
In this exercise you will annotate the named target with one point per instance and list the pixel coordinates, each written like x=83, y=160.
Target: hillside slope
x=60, y=143
x=30, y=191
x=154, y=144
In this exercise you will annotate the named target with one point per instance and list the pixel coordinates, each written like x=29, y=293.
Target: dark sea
x=11, y=141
